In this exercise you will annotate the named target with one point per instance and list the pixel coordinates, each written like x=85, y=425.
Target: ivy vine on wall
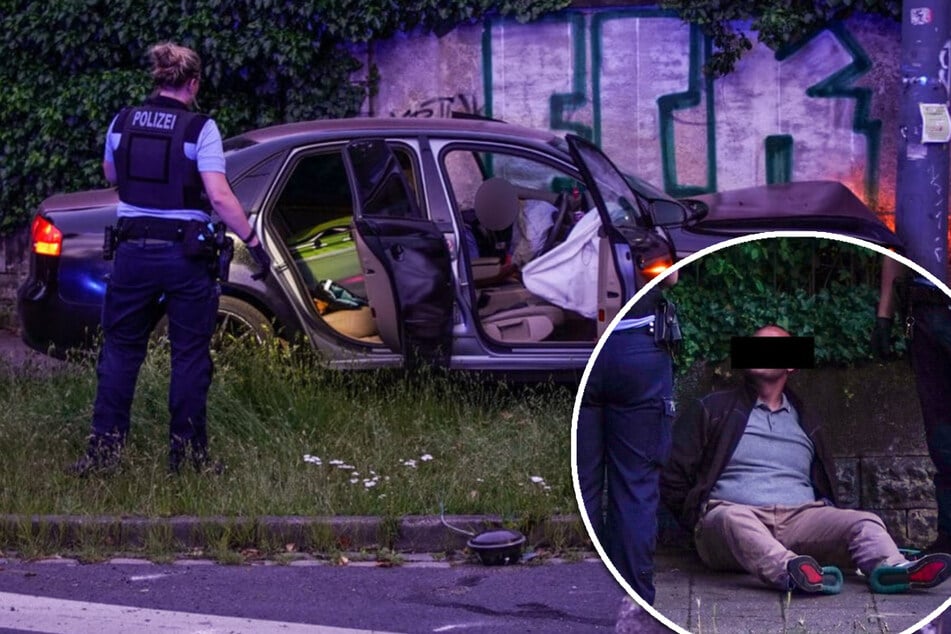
x=67, y=67
x=777, y=23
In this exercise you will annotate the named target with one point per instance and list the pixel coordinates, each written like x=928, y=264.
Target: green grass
x=268, y=408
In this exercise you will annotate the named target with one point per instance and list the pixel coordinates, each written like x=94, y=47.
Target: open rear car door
x=632, y=249
x=404, y=257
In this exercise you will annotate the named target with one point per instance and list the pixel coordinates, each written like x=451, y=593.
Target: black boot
x=204, y=464
x=101, y=458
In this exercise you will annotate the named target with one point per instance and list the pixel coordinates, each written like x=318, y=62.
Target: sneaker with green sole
x=806, y=575
x=925, y=572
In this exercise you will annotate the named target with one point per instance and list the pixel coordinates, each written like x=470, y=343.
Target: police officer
x=927, y=312
x=169, y=166
x=624, y=437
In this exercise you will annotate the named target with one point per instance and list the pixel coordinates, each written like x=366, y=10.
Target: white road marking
x=147, y=577
x=61, y=616
x=464, y=626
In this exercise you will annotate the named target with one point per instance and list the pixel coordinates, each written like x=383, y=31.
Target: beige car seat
x=528, y=323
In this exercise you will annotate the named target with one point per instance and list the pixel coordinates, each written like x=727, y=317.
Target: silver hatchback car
x=467, y=244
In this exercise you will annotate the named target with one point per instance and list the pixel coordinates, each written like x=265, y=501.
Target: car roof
x=368, y=126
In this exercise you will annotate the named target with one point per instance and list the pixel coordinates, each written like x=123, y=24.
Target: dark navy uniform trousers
x=623, y=440
x=143, y=272
x=930, y=352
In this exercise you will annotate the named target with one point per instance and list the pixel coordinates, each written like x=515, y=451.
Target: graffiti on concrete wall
x=632, y=81
x=443, y=107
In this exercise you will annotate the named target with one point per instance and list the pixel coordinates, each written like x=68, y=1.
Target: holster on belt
x=209, y=241
x=914, y=298
x=224, y=246
x=667, y=326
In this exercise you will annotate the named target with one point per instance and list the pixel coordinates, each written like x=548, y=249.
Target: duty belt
x=151, y=227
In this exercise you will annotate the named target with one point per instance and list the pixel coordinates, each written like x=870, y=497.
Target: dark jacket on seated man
x=705, y=437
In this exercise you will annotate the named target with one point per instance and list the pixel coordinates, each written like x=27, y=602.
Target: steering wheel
x=561, y=203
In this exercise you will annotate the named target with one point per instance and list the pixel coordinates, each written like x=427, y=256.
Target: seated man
x=751, y=476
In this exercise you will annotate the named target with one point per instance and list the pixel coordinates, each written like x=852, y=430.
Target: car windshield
x=629, y=199
x=623, y=205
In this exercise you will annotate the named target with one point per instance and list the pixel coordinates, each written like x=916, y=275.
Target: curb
x=321, y=534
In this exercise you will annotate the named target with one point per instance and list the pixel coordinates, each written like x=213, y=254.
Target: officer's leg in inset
x=589, y=442
x=637, y=441
x=930, y=351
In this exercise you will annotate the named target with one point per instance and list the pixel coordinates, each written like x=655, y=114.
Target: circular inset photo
x=762, y=441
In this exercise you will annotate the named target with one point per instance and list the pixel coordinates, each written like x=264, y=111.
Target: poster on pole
x=920, y=16
x=935, y=123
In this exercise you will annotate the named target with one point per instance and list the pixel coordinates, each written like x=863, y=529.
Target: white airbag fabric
x=567, y=276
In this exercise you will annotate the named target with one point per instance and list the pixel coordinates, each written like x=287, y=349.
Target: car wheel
x=236, y=320
x=239, y=320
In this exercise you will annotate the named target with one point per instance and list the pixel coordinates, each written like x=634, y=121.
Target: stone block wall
x=898, y=489
x=873, y=420
x=14, y=256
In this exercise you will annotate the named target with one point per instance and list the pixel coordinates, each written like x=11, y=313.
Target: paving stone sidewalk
x=700, y=600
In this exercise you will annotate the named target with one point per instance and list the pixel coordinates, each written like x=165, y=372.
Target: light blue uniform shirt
x=208, y=153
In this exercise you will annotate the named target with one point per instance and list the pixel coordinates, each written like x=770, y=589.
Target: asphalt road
x=552, y=597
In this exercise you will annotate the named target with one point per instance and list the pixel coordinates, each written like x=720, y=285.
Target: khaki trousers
x=761, y=540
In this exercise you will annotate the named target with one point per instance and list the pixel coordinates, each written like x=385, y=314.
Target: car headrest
x=496, y=204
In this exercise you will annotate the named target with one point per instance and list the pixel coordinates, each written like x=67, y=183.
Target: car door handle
x=396, y=251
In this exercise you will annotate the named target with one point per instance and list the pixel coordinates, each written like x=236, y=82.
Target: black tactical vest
x=151, y=165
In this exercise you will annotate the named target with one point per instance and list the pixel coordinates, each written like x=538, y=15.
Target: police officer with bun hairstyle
x=169, y=166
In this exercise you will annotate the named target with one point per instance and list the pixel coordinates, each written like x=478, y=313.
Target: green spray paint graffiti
x=562, y=105
x=840, y=85
x=779, y=152
x=565, y=108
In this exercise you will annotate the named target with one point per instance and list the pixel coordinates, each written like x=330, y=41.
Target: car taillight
x=47, y=239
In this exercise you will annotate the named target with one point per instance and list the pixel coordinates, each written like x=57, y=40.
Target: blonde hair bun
x=173, y=65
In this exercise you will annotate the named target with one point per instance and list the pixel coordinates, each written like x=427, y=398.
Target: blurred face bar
x=772, y=352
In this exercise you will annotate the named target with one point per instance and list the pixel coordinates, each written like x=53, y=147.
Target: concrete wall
x=631, y=80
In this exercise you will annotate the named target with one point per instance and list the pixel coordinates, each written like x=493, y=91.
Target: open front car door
x=632, y=249
x=404, y=257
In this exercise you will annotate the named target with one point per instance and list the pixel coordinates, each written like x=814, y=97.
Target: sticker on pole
x=921, y=16
x=935, y=123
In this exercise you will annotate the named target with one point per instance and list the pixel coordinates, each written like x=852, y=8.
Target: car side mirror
x=666, y=213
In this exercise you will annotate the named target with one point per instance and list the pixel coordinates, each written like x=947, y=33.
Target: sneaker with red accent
x=807, y=575
x=926, y=572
